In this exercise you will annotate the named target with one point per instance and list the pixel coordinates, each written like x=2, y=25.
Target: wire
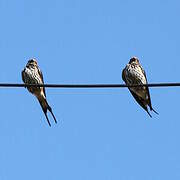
x=10, y=85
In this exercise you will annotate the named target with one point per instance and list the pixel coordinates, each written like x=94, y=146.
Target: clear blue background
x=102, y=134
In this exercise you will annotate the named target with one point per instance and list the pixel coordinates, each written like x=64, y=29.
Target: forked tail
x=148, y=112
x=154, y=110
x=45, y=106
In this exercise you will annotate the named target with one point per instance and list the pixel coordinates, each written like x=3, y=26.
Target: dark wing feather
x=149, y=97
x=139, y=101
x=123, y=75
x=41, y=75
x=22, y=75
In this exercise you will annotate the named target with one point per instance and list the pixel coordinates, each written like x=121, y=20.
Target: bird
x=134, y=74
x=32, y=74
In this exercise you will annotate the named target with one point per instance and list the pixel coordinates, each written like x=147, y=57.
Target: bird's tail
x=45, y=106
x=146, y=109
x=153, y=110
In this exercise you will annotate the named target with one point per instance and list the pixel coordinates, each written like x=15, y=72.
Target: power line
x=11, y=85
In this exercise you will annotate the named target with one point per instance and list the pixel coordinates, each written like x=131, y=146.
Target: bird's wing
x=147, y=89
x=139, y=101
x=22, y=75
x=123, y=75
x=41, y=76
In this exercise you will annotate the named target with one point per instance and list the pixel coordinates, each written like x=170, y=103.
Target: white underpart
x=135, y=77
x=32, y=76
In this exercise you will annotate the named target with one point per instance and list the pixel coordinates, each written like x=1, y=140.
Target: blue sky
x=101, y=133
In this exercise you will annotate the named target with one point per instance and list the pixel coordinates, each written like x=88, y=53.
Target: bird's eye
x=132, y=60
x=31, y=61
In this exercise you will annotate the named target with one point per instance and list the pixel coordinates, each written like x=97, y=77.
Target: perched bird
x=133, y=74
x=33, y=75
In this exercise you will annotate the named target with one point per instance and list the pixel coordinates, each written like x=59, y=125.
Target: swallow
x=134, y=74
x=32, y=74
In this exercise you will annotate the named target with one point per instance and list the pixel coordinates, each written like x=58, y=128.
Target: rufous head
x=32, y=62
x=134, y=60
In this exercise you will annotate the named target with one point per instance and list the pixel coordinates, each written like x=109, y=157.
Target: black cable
x=88, y=85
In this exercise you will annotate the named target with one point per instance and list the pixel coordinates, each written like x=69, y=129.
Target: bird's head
x=32, y=62
x=134, y=60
